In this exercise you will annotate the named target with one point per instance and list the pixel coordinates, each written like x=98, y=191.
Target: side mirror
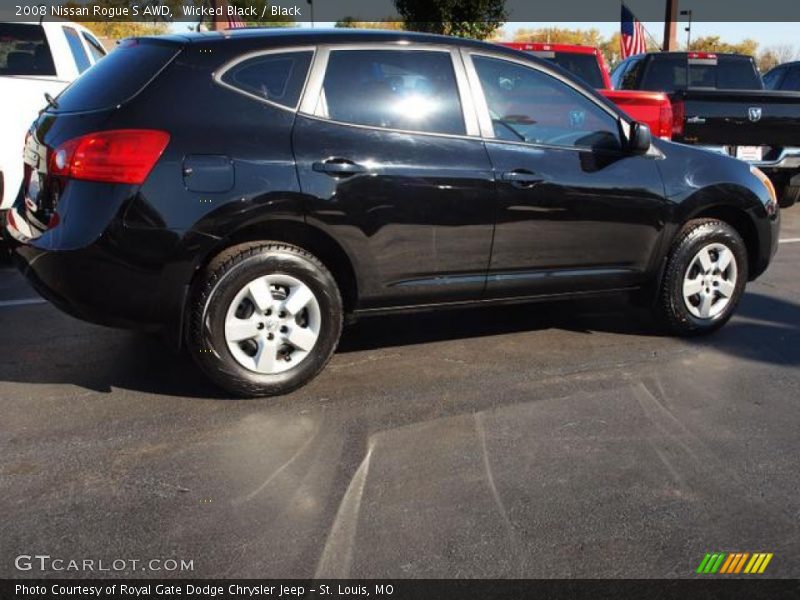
x=640, y=138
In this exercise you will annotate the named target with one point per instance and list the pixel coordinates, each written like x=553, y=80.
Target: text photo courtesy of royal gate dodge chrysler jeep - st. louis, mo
x=399, y=298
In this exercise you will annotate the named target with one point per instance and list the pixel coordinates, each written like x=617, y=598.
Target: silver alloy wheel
x=710, y=281
x=272, y=324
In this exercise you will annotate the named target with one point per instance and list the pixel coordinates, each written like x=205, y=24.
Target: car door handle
x=338, y=167
x=522, y=178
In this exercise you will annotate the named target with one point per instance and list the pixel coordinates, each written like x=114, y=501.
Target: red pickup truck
x=653, y=108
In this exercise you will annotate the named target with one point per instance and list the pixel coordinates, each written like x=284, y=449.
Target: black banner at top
x=326, y=11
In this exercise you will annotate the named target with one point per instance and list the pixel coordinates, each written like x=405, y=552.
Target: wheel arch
x=731, y=204
x=298, y=233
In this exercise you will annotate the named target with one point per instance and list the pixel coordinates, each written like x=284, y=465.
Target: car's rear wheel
x=265, y=319
x=704, y=279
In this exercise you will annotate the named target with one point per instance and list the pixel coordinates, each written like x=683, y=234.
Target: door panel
x=387, y=168
x=592, y=222
x=575, y=212
x=415, y=210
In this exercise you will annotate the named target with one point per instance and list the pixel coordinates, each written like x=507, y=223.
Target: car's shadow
x=766, y=329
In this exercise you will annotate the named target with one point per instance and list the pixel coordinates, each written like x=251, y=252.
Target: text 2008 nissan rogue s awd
x=245, y=190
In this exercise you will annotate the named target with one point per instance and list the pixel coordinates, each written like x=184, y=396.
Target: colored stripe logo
x=732, y=563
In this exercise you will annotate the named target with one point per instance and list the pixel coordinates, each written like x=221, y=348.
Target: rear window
x=274, y=77
x=24, y=50
x=118, y=77
x=583, y=65
x=677, y=72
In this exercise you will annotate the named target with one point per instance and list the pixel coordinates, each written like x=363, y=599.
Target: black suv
x=244, y=191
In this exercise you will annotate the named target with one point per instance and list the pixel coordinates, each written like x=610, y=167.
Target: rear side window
x=276, y=78
x=410, y=90
x=24, y=50
x=78, y=53
x=118, y=77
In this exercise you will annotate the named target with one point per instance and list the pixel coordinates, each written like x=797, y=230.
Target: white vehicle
x=35, y=58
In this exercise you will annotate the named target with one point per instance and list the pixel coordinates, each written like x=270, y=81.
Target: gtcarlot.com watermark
x=48, y=564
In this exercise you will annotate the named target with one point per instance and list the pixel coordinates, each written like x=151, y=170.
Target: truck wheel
x=704, y=279
x=265, y=319
x=790, y=196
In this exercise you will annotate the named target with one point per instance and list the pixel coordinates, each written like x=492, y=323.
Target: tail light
x=116, y=156
x=678, y=118
x=665, y=122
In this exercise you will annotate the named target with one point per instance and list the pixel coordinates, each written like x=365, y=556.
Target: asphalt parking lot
x=544, y=440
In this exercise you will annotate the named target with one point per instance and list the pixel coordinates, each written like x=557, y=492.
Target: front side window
x=78, y=53
x=410, y=90
x=277, y=78
x=527, y=105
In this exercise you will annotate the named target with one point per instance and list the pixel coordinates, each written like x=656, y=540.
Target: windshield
x=24, y=50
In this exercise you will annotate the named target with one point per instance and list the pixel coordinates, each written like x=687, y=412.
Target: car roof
x=290, y=36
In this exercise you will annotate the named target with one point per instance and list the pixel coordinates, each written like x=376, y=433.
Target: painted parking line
x=21, y=302
x=789, y=241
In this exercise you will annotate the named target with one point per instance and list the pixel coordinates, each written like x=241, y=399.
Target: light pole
x=688, y=29
x=311, y=5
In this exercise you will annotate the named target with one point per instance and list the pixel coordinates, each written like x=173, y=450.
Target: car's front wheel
x=265, y=319
x=704, y=278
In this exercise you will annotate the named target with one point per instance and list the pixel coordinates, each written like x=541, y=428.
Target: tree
x=558, y=35
x=463, y=18
x=713, y=43
x=393, y=23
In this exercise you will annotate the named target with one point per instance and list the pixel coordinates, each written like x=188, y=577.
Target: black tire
x=216, y=289
x=790, y=196
x=670, y=308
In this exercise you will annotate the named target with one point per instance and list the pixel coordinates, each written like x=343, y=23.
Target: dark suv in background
x=244, y=191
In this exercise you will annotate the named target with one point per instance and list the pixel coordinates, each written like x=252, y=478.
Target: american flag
x=632, y=40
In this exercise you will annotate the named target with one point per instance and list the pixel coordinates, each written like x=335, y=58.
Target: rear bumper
x=92, y=284
x=128, y=278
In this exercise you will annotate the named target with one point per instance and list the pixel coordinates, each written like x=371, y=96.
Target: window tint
x=78, y=53
x=118, y=76
x=275, y=77
x=529, y=106
x=95, y=48
x=792, y=81
x=24, y=50
x=410, y=90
